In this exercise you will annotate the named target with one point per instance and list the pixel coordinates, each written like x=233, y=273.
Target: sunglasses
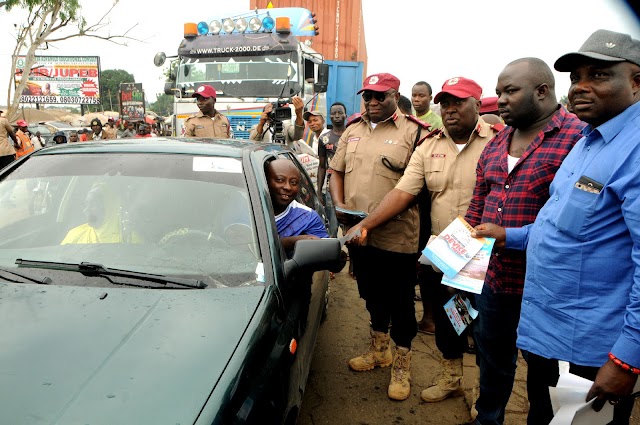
x=378, y=95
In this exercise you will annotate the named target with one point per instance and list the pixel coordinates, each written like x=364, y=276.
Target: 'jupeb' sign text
x=61, y=79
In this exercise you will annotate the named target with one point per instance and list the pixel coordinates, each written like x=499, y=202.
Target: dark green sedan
x=143, y=282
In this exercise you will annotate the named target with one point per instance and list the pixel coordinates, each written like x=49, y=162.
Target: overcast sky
x=428, y=40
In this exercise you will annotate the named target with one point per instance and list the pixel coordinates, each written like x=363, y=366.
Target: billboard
x=131, y=102
x=71, y=80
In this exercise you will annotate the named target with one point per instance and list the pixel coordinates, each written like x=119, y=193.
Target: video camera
x=279, y=110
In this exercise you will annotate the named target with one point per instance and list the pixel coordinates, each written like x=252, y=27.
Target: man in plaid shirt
x=513, y=177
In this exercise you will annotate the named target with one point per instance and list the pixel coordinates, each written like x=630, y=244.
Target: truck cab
x=251, y=60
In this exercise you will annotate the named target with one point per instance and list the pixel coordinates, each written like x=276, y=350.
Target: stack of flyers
x=471, y=277
x=452, y=249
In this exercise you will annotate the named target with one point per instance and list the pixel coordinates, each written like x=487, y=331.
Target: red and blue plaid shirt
x=514, y=199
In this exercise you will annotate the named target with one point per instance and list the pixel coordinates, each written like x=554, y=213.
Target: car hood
x=78, y=355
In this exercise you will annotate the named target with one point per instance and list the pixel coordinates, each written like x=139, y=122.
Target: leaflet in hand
x=346, y=238
x=452, y=249
x=569, y=406
x=460, y=312
x=471, y=277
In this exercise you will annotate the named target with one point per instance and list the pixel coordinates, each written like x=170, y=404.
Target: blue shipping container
x=345, y=79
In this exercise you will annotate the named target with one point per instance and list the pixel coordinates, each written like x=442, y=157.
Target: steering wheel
x=188, y=235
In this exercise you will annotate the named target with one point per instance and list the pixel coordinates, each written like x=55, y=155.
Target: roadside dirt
x=336, y=395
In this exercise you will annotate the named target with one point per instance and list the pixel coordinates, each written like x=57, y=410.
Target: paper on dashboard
x=452, y=249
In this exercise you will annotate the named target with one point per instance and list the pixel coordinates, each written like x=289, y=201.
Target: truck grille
x=241, y=125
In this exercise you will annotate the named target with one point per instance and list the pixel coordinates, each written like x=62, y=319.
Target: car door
x=311, y=293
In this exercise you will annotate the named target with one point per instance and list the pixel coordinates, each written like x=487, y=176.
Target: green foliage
x=110, y=80
x=564, y=100
x=163, y=105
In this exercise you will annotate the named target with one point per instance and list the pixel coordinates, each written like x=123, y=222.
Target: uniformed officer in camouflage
x=446, y=163
x=371, y=157
x=208, y=122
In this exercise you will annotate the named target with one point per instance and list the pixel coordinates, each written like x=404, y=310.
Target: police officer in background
x=371, y=157
x=208, y=122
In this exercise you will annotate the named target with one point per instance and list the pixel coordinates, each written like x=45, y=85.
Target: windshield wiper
x=44, y=281
x=100, y=270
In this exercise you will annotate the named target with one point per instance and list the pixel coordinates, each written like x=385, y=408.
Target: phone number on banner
x=77, y=100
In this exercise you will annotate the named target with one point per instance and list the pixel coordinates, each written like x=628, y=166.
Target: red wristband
x=623, y=365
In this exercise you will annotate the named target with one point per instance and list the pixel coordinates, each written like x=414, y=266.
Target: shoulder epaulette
x=422, y=124
x=354, y=119
x=434, y=133
x=498, y=127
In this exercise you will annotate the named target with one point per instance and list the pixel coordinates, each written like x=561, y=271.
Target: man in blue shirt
x=294, y=221
x=581, y=300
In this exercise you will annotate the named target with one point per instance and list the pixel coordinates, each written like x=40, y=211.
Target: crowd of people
x=557, y=187
x=24, y=141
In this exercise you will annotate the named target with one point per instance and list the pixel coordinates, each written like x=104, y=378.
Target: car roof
x=39, y=127
x=179, y=145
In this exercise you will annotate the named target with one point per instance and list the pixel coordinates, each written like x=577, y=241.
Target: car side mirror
x=313, y=255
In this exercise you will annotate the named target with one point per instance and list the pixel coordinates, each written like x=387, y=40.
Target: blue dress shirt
x=582, y=287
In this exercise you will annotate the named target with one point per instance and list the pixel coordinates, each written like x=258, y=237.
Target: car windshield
x=174, y=215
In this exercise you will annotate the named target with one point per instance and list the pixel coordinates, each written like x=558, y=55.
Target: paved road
x=337, y=396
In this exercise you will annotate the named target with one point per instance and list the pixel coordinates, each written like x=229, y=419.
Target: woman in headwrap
x=104, y=223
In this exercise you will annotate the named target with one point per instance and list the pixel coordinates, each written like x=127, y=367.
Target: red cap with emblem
x=205, y=91
x=21, y=123
x=381, y=83
x=460, y=87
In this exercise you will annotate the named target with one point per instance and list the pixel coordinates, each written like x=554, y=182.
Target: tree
x=163, y=105
x=110, y=80
x=564, y=100
x=50, y=21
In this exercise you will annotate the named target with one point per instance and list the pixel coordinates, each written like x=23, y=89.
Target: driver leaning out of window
x=294, y=220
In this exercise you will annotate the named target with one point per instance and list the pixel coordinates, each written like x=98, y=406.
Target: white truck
x=250, y=59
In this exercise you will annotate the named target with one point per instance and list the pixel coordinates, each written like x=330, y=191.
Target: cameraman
x=263, y=131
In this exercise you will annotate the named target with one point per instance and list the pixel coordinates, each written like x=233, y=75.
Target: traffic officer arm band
x=623, y=365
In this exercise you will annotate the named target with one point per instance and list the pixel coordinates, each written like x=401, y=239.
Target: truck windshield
x=254, y=76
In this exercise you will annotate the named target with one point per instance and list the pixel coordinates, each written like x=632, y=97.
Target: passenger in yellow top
x=104, y=223
x=208, y=122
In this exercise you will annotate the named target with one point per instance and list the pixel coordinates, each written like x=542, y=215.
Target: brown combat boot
x=449, y=384
x=379, y=354
x=399, y=387
x=474, y=396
